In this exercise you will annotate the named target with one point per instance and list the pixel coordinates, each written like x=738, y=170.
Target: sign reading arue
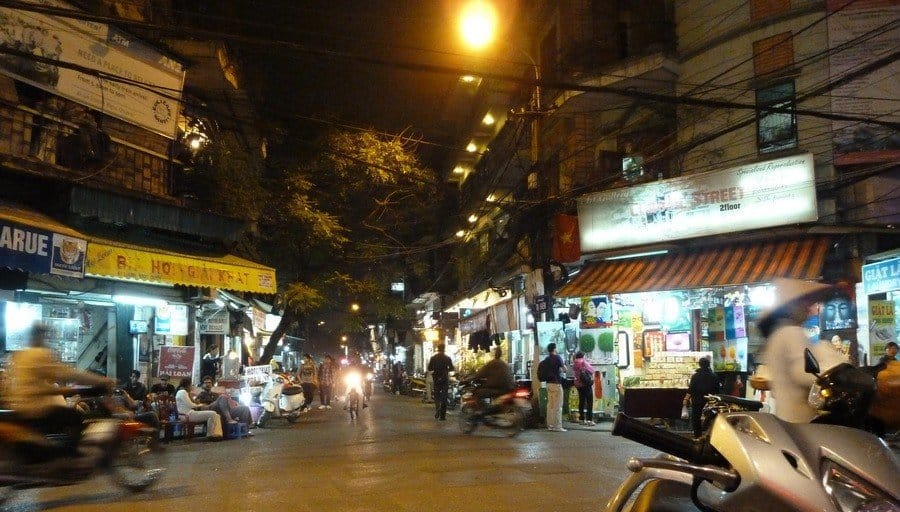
x=39, y=251
x=228, y=272
x=772, y=193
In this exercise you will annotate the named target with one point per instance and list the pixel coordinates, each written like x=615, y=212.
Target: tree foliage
x=340, y=225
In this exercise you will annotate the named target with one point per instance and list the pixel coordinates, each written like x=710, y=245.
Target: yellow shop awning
x=117, y=260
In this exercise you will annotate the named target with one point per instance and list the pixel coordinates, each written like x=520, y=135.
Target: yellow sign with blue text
x=134, y=263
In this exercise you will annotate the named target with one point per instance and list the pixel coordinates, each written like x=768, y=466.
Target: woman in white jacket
x=786, y=341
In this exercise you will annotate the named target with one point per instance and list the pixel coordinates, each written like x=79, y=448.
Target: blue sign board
x=43, y=252
x=881, y=277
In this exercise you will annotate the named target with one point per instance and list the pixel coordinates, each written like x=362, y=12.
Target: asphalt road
x=395, y=458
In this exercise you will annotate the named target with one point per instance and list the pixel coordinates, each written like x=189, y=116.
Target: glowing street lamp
x=354, y=307
x=478, y=23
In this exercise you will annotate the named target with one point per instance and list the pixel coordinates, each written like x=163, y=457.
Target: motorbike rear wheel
x=467, y=421
x=138, y=464
x=292, y=417
x=517, y=422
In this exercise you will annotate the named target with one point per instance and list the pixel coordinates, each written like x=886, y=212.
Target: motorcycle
x=356, y=385
x=721, y=404
x=842, y=394
x=416, y=386
x=126, y=449
x=753, y=459
x=280, y=399
x=507, y=411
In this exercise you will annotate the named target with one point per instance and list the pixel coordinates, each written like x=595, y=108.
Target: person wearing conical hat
x=782, y=326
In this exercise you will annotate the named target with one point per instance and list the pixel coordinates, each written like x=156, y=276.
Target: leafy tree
x=341, y=224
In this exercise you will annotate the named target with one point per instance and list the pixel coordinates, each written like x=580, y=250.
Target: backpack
x=585, y=377
x=543, y=373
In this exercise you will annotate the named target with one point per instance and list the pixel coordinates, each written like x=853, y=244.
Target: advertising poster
x=171, y=320
x=551, y=332
x=599, y=346
x=595, y=312
x=654, y=342
x=881, y=330
x=729, y=355
x=837, y=313
x=176, y=361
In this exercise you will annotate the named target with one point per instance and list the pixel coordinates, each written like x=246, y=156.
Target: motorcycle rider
x=356, y=365
x=31, y=391
x=781, y=325
x=498, y=379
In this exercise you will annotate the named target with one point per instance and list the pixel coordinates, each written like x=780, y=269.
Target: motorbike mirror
x=811, y=365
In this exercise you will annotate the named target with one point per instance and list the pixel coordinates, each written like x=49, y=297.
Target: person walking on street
x=327, y=372
x=307, y=373
x=440, y=367
x=703, y=382
x=555, y=367
x=584, y=383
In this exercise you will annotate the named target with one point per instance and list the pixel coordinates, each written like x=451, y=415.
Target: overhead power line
x=434, y=68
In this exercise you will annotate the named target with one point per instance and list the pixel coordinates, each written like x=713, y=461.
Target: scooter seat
x=293, y=390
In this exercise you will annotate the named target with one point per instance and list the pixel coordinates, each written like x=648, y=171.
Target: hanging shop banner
x=881, y=330
x=171, y=320
x=39, y=251
x=228, y=272
x=881, y=277
x=93, y=64
x=176, y=361
x=772, y=193
x=216, y=323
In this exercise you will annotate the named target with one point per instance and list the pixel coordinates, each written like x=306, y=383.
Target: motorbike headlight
x=246, y=398
x=851, y=493
x=818, y=396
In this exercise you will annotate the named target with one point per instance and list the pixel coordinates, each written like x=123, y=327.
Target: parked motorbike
x=453, y=394
x=507, y=411
x=124, y=448
x=842, y=394
x=280, y=399
x=417, y=385
x=720, y=404
x=752, y=458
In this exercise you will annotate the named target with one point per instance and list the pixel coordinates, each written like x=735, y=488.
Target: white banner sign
x=149, y=95
x=217, y=323
x=760, y=195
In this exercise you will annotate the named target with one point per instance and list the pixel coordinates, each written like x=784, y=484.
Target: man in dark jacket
x=440, y=365
x=497, y=377
x=703, y=382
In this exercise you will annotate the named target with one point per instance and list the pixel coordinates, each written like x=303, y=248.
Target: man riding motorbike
x=497, y=380
x=31, y=390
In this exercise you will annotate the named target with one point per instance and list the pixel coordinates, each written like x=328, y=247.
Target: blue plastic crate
x=236, y=430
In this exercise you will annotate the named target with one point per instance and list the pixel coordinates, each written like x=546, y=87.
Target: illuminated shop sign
x=765, y=194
